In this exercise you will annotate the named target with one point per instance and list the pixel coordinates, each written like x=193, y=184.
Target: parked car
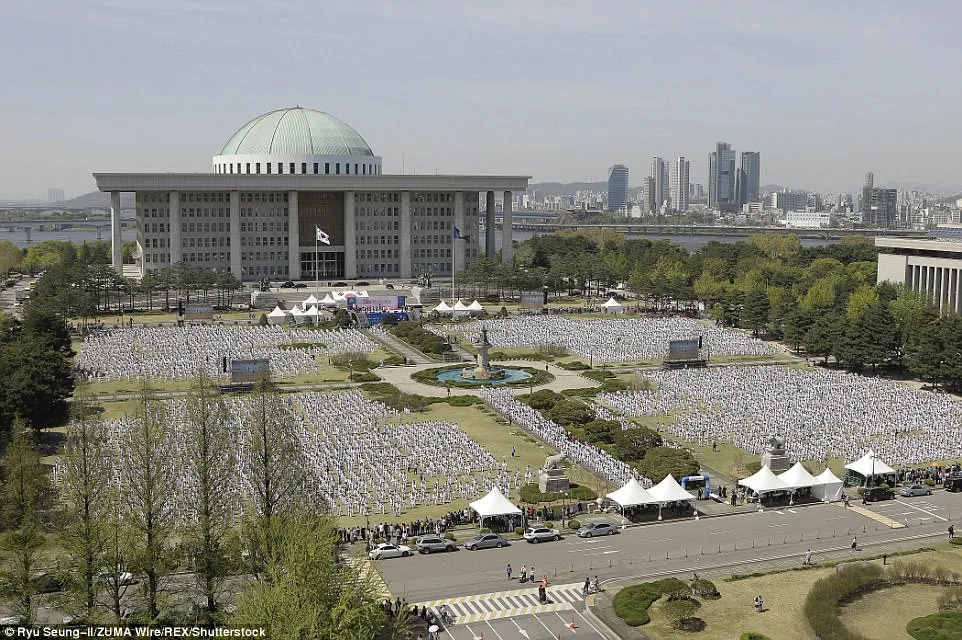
x=486, y=541
x=874, y=494
x=339, y=284
x=953, y=484
x=363, y=283
x=597, y=529
x=288, y=285
x=427, y=544
x=541, y=534
x=385, y=550
x=300, y=285
x=911, y=490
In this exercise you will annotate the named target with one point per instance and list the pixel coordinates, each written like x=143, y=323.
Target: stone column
x=293, y=238
x=507, y=230
x=405, y=258
x=946, y=288
x=116, y=256
x=489, y=249
x=459, y=247
x=175, y=237
x=350, y=237
x=235, y=236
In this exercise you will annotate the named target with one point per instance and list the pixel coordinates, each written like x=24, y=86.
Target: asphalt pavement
x=709, y=546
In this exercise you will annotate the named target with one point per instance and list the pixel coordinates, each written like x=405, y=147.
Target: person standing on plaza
x=524, y=573
x=951, y=531
x=508, y=571
x=855, y=543
x=584, y=590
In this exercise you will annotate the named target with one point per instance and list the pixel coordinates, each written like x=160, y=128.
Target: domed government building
x=298, y=194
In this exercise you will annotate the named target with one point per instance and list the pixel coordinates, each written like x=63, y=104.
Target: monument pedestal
x=774, y=457
x=554, y=481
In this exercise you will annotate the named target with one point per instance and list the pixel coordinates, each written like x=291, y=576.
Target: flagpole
x=317, y=274
x=454, y=254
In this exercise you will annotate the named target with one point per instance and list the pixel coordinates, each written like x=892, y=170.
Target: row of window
x=258, y=241
x=263, y=227
x=378, y=268
x=374, y=254
x=360, y=168
x=380, y=212
x=378, y=240
x=386, y=225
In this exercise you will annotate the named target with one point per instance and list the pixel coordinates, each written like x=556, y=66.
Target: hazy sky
x=555, y=89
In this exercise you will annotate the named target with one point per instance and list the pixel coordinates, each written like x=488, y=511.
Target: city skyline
x=157, y=86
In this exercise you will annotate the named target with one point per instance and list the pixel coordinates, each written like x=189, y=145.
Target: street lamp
x=564, y=508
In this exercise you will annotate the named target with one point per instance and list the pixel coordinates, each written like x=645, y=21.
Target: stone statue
x=552, y=463
x=551, y=477
x=774, y=457
x=776, y=445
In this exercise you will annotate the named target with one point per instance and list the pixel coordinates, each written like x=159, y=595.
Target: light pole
x=564, y=508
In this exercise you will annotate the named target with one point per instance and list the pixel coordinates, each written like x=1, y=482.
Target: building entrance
x=324, y=265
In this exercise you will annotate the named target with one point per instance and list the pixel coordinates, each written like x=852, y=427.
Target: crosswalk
x=365, y=571
x=508, y=604
x=878, y=517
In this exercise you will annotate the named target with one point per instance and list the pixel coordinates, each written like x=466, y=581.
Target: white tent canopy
x=443, y=307
x=829, y=487
x=328, y=301
x=310, y=301
x=668, y=490
x=764, y=481
x=277, y=316
x=475, y=306
x=312, y=314
x=494, y=504
x=869, y=465
x=798, y=477
x=460, y=309
x=632, y=494
x=298, y=315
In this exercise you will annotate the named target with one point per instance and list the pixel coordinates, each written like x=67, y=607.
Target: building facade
x=789, y=200
x=617, y=186
x=748, y=184
x=292, y=177
x=721, y=178
x=658, y=172
x=679, y=184
x=931, y=267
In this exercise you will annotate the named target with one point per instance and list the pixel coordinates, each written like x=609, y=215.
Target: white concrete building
x=807, y=219
x=930, y=266
x=289, y=172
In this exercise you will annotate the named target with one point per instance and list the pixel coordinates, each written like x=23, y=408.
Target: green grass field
x=881, y=615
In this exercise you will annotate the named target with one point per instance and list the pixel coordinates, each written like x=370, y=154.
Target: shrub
x=751, y=635
x=677, y=610
x=631, y=603
x=569, y=412
x=363, y=376
x=531, y=494
x=463, y=401
x=945, y=625
x=951, y=599
x=692, y=625
x=705, y=589
x=518, y=531
x=956, y=541
x=549, y=524
x=821, y=605
x=419, y=338
x=574, y=365
x=448, y=536
x=485, y=530
x=47, y=583
x=262, y=320
x=660, y=461
x=543, y=399
x=574, y=524
x=929, y=482
x=598, y=375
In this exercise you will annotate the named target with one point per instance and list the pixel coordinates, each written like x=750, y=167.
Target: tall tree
x=211, y=467
x=85, y=487
x=755, y=310
x=147, y=450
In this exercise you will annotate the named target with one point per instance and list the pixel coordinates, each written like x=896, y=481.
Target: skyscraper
x=617, y=186
x=679, y=184
x=749, y=174
x=660, y=176
x=879, y=206
x=648, y=195
x=721, y=177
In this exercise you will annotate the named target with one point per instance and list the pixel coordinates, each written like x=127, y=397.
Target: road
x=710, y=546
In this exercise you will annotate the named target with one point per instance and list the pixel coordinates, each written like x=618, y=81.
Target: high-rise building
x=648, y=195
x=879, y=207
x=786, y=200
x=679, y=184
x=617, y=186
x=749, y=174
x=659, y=174
x=721, y=178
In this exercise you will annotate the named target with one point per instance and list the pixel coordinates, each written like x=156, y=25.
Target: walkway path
x=399, y=347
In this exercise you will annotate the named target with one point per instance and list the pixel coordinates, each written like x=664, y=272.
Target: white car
x=539, y=534
x=385, y=550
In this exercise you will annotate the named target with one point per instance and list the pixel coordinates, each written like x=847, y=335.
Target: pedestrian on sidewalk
x=808, y=558
x=855, y=543
x=951, y=531
x=508, y=570
x=524, y=573
x=584, y=590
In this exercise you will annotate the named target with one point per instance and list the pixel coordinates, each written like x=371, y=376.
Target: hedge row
x=419, y=338
x=531, y=494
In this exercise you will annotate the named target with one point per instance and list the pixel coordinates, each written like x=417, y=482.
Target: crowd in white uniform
x=358, y=457
x=183, y=352
x=556, y=436
x=819, y=413
x=622, y=340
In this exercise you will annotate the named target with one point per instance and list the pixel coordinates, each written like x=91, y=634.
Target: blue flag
x=458, y=236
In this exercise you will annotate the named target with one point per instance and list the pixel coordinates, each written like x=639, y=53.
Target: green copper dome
x=296, y=131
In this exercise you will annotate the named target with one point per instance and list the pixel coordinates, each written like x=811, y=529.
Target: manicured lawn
x=883, y=614
x=880, y=615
